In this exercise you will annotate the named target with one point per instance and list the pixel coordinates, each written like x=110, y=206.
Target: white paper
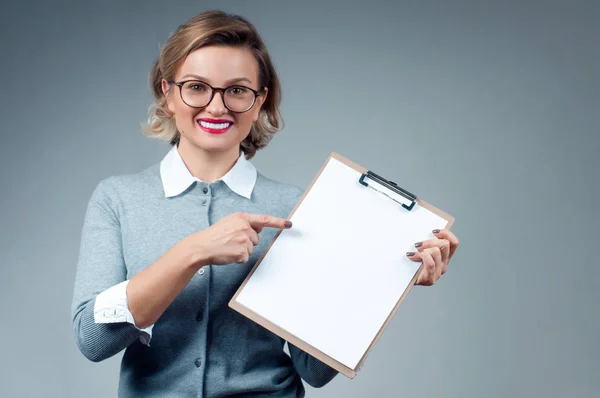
x=335, y=276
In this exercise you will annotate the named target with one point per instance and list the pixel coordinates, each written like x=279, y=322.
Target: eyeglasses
x=198, y=94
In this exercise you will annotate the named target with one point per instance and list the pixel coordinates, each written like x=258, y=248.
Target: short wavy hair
x=214, y=28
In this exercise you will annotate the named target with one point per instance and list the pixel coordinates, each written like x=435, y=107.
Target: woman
x=164, y=250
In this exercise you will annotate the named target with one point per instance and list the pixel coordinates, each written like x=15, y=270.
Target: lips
x=214, y=126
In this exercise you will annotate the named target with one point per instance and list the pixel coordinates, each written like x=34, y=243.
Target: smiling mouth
x=214, y=128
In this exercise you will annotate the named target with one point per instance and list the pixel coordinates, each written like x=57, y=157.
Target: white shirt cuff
x=112, y=307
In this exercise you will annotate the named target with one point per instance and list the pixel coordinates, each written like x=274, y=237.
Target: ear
x=259, y=103
x=166, y=89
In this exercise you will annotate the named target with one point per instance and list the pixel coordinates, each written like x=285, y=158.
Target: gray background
x=488, y=110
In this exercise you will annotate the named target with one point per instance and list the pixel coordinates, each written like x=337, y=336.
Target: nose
x=217, y=105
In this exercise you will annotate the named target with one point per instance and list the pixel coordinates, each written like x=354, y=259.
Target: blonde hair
x=223, y=29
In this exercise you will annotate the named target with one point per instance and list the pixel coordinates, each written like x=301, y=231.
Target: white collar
x=176, y=177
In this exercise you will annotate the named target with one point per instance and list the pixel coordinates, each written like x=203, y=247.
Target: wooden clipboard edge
x=449, y=221
x=233, y=304
x=290, y=338
x=350, y=373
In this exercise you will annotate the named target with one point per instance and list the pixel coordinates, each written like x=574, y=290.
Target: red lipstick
x=214, y=126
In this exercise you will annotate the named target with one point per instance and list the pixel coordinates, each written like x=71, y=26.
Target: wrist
x=194, y=256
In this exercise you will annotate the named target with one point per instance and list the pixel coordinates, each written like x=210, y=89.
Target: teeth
x=216, y=126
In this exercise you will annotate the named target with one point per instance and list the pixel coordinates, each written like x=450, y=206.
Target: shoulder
x=128, y=187
x=277, y=192
x=277, y=189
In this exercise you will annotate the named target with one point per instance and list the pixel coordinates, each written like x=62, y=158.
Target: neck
x=208, y=166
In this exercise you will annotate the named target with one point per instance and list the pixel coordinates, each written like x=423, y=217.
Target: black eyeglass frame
x=217, y=89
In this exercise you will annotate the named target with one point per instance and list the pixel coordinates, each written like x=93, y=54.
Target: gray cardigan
x=200, y=347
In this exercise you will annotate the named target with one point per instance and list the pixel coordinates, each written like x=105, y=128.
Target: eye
x=195, y=86
x=238, y=90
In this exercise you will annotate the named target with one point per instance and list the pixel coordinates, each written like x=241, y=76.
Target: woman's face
x=214, y=128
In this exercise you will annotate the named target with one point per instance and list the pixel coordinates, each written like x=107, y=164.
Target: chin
x=215, y=144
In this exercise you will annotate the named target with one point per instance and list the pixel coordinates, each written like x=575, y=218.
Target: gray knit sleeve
x=314, y=372
x=100, y=265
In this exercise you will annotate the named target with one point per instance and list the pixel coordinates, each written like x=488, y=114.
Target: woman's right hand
x=231, y=239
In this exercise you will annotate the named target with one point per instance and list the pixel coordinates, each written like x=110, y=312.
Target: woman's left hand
x=435, y=255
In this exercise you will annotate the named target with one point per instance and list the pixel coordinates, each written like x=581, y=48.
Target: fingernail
x=419, y=244
x=288, y=224
x=420, y=250
x=435, y=231
x=410, y=254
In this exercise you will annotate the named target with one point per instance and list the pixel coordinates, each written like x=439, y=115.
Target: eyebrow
x=228, y=82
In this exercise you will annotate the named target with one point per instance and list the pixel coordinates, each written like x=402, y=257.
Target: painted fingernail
x=420, y=250
x=288, y=224
x=410, y=254
x=419, y=244
x=435, y=231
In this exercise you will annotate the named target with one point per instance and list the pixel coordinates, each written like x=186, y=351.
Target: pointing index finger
x=260, y=221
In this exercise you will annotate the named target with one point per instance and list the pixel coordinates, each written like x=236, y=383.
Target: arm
x=101, y=268
x=313, y=371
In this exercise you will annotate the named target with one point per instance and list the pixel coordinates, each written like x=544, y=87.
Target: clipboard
x=319, y=306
